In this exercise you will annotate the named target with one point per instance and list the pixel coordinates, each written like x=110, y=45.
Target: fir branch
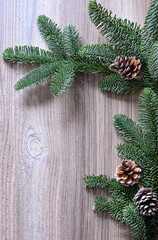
x=99, y=53
x=113, y=207
x=148, y=118
x=152, y=227
x=72, y=41
x=93, y=181
x=120, y=192
x=133, y=219
x=128, y=129
x=63, y=78
x=132, y=152
x=153, y=61
x=28, y=54
x=87, y=66
x=100, y=204
x=115, y=83
x=39, y=74
x=150, y=29
x=154, y=173
x=52, y=35
x=121, y=33
x=115, y=188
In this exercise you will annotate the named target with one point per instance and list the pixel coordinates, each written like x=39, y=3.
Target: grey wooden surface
x=48, y=144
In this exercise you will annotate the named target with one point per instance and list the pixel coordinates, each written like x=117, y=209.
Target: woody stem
x=113, y=69
x=140, y=185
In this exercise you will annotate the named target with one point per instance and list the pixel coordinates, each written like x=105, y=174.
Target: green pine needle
x=113, y=207
x=93, y=181
x=38, y=75
x=63, y=78
x=153, y=61
x=28, y=54
x=121, y=33
x=128, y=129
x=52, y=35
x=115, y=83
x=150, y=29
x=99, y=53
x=72, y=41
x=148, y=118
x=137, y=222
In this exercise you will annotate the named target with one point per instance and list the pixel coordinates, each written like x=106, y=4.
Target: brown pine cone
x=128, y=67
x=146, y=202
x=128, y=173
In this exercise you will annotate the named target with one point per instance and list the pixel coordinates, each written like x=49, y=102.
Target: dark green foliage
x=113, y=207
x=115, y=83
x=128, y=129
x=99, y=53
x=25, y=54
x=148, y=118
x=150, y=29
x=141, y=147
x=86, y=66
x=152, y=227
x=134, y=220
x=95, y=181
x=62, y=79
x=153, y=60
x=124, y=212
x=120, y=33
x=72, y=41
x=52, y=35
x=37, y=75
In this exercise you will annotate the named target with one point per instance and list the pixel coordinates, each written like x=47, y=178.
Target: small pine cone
x=128, y=173
x=146, y=202
x=128, y=67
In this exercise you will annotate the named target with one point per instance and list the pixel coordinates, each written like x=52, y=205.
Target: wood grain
x=48, y=144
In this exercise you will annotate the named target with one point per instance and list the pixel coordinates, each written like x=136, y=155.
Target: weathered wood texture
x=48, y=144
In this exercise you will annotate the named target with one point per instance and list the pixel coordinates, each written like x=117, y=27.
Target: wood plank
x=48, y=144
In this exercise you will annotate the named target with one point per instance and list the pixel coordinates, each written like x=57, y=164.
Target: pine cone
x=128, y=67
x=146, y=201
x=128, y=173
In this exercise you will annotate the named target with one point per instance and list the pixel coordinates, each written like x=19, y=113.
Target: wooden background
x=48, y=144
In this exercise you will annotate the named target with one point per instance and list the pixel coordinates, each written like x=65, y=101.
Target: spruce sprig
x=121, y=33
x=141, y=147
x=123, y=38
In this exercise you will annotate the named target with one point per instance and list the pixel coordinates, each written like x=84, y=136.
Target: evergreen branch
x=128, y=129
x=121, y=33
x=99, y=53
x=150, y=29
x=28, y=54
x=118, y=191
x=63, y=78
x=52, y=35
x=93, y=181
x=87, y=66
x=154, y=173
x=148, y=118
x=115, y=83
x=39, y=74
x=153, y=61
x=113, y=207
x=152, y=227
x=135, y=221
x=100, y=204
x=72, y=41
